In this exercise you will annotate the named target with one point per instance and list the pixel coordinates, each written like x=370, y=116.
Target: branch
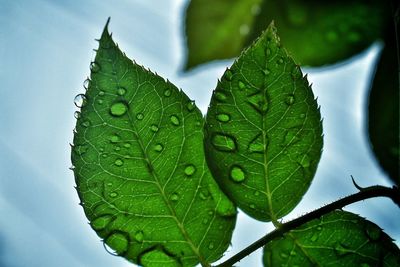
x=364, y=193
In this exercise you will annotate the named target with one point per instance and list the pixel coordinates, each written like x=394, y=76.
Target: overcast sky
x=45, y=50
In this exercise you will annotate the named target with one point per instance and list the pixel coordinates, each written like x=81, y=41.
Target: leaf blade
x=337, y=239
x=140, y=169
x=262, y=109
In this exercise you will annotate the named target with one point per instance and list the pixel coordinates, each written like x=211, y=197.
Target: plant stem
x=364, y=193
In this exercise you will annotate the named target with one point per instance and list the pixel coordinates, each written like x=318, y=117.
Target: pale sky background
x=45, y=51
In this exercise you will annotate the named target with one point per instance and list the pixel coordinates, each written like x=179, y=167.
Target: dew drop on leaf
x=119, y=162
x=86, y=83
x=289, y=100
x=224, y=143
x=118, y=109
x=114, y=139
x=139, y=116
x=167, y=92
x=174, y=120
x=118, y=242
x=94, y=67
x=190, y=170
x=101, y=93
x=154, y=128
x=101, y=222
x=237, y=174
x=190, y=106
x=80, y=100
x=158, y=147
x=113, y=194
x=220, y=96
x=211, y=246
x=222, y=117
x=174, y=197
x=86, y=124
x=121, y=91
x=228, y=75
x=139, y=236
x=77, y=114
x=314, y=237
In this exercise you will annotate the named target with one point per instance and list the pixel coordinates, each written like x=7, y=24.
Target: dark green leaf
x=217, y=29
x=140, y=168
x=315, y=32
x=337, y=239
x=383, y=121
x=263, y=131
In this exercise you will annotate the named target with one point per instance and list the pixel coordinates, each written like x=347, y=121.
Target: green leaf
x=263, y=131
x=315, y=32
x=337, y=239
x=383, y=109
x=140, y=168
x=217, y=29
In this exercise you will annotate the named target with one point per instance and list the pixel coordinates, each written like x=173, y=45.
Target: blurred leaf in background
x=314, y=32
x=383, y=117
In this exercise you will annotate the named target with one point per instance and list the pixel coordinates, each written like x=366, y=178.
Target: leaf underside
x=140, y=167
x=263, y=131
x=315, y=32
x=336, y=239
x=383, y=108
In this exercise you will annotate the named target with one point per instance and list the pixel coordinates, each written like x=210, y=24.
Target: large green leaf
x=140, y=167
x=337, y=239
x=315, y=32
x=217, y=29
x=263, y=131
x=383, y=119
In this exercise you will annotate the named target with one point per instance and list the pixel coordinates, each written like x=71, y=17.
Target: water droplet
x=220, y=96
x=296, y=72
x=94, y=67
x=139, y=116
x=228, y=74
x=114, y=139
x=205, y=221
x=158, y=147
x=190, y=106
x=292, y=136
x=121, y=91
x=190, y=170
x=104, y=155
x=319, y=228
x=113, y=194
x=289, y=99
x=222, y=117
x=174, y=120
x=241, y=85
x=304, y=161
x=118, y=242
x=331, y=36
x=154, y=128
x=77, y=114
x=117, y=148
x=302, y=115
x=174, y=197
x=237, y=174
x=244, y=29
x=167, y=92
x=293, y=253
x=139, y=236
x=101, y=93
x=223, y=142
x=109, y=184
x=118, y=109
x=252, y=206
x=211, y=245
x=258, y=145
x=256, y=193
x=99, y=101
x=259, y=103
x=86, y=83
x=314, y=237
x=119, y=162
x=80, y=100
x=86, y=124
x=341, y=249
x=373, y=232
x=127, y=145
x=284, y=255
x=101, y=222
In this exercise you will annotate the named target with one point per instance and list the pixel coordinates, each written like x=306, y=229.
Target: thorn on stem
x=356, y=185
